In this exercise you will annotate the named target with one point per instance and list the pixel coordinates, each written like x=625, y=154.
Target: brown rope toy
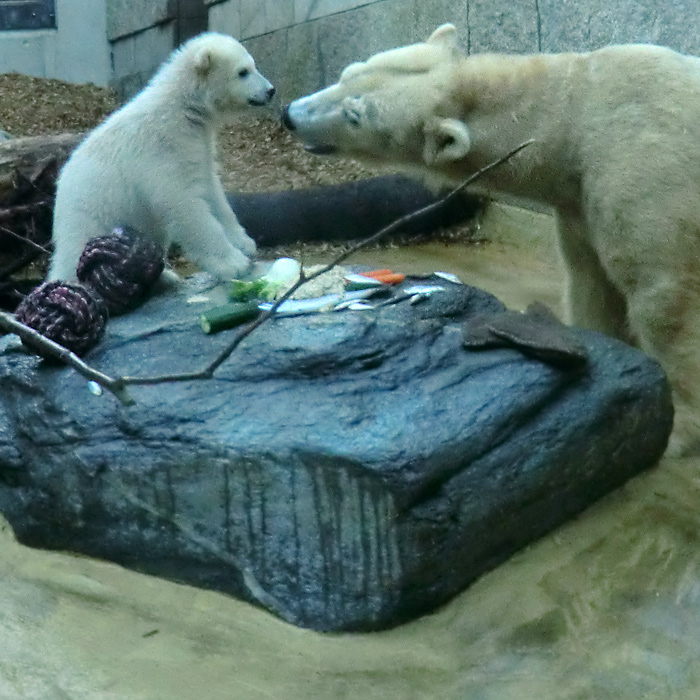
x=122, y=268
x=68, y=314
x=116, y=273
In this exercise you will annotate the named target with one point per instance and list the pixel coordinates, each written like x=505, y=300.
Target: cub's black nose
x=287, y=120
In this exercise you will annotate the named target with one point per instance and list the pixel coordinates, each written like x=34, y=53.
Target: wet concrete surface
x=606, y=607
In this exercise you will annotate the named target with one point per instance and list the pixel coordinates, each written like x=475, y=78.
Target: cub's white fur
x=151, y=165
x=616, y=152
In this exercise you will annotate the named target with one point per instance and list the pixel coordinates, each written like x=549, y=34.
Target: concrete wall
x=105, y=42
x=256, y=17
x=135, y=57
x=319, y=37
x=76, y=50
x=128, y=17
x=302, y=45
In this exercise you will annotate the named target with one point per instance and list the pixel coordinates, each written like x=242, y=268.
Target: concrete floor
x=606, y=607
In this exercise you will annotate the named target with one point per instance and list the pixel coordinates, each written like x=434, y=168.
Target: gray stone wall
x=135, y=57
x=302, y=45
x=320, y=37
x=258, y=17
x=76, y=50
x=127, y=17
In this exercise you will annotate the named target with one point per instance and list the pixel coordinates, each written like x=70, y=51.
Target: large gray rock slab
x=347, y=471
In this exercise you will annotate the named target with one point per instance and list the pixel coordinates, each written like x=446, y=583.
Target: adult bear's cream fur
x=616, y=152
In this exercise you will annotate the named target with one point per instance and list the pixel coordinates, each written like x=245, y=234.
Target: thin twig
x=59, y=352
x=29, y=242
x=303, y=279
x=117, y=386
x=9, y=213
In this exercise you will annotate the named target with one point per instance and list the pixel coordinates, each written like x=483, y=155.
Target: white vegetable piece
x=283, y=270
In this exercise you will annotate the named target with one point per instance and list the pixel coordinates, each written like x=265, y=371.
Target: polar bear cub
x=151, y=165
x=616, y=152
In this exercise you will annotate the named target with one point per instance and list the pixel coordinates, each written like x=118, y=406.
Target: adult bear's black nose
x=270, y=92
x=287, y=120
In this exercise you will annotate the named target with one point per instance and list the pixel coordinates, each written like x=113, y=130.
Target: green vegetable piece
x=240, y=290
x=228, y=315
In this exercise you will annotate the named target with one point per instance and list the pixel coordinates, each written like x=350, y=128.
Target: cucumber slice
x=228, y=315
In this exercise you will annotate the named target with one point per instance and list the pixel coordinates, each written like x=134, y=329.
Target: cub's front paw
x=243, y=242
x=234, y=266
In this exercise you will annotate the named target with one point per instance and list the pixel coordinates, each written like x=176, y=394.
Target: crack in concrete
x=469, y=29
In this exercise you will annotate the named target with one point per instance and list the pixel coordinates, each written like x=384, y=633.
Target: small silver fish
x=423, y=289
x=448, y=276
x=328, y=302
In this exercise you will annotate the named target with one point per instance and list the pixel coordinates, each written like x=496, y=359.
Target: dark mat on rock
x=348, y=471
x=352, y=210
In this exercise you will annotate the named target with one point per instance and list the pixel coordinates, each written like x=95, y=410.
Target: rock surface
x=347, y=471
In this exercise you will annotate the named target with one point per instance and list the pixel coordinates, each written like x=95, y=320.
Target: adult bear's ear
x=446, y=140
x=446, y=36
x=203, y=63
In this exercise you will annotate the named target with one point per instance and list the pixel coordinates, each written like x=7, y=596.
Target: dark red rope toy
x=116, y=273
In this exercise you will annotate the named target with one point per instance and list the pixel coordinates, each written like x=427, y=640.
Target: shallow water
x=606, y=607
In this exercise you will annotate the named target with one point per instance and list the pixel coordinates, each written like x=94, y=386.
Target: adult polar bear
x=616, y=152
x=151, y=164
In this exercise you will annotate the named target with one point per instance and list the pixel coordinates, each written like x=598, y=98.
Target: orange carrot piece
x=375, y=273
x=390, y=278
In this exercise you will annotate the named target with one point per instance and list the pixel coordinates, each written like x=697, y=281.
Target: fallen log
x=28, y=153
x=28, y=171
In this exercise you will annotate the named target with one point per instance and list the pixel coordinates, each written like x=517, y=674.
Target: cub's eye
x=244, y=72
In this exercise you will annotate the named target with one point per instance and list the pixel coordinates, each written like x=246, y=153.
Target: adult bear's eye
x=353, y=116
x=352, y=111
x=244, y=73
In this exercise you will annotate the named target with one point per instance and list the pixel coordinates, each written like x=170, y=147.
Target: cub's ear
x=445, y=35
x=446, y=140
x=203, y=63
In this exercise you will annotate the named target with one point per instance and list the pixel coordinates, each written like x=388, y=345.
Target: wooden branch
x=9, y=213
x=55, y=350
x=27, y=241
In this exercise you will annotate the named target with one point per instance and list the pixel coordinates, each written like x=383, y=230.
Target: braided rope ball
x=68, y=314
x=121, y=268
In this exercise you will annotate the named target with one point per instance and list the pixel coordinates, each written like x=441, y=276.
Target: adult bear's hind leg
x=591, y=300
